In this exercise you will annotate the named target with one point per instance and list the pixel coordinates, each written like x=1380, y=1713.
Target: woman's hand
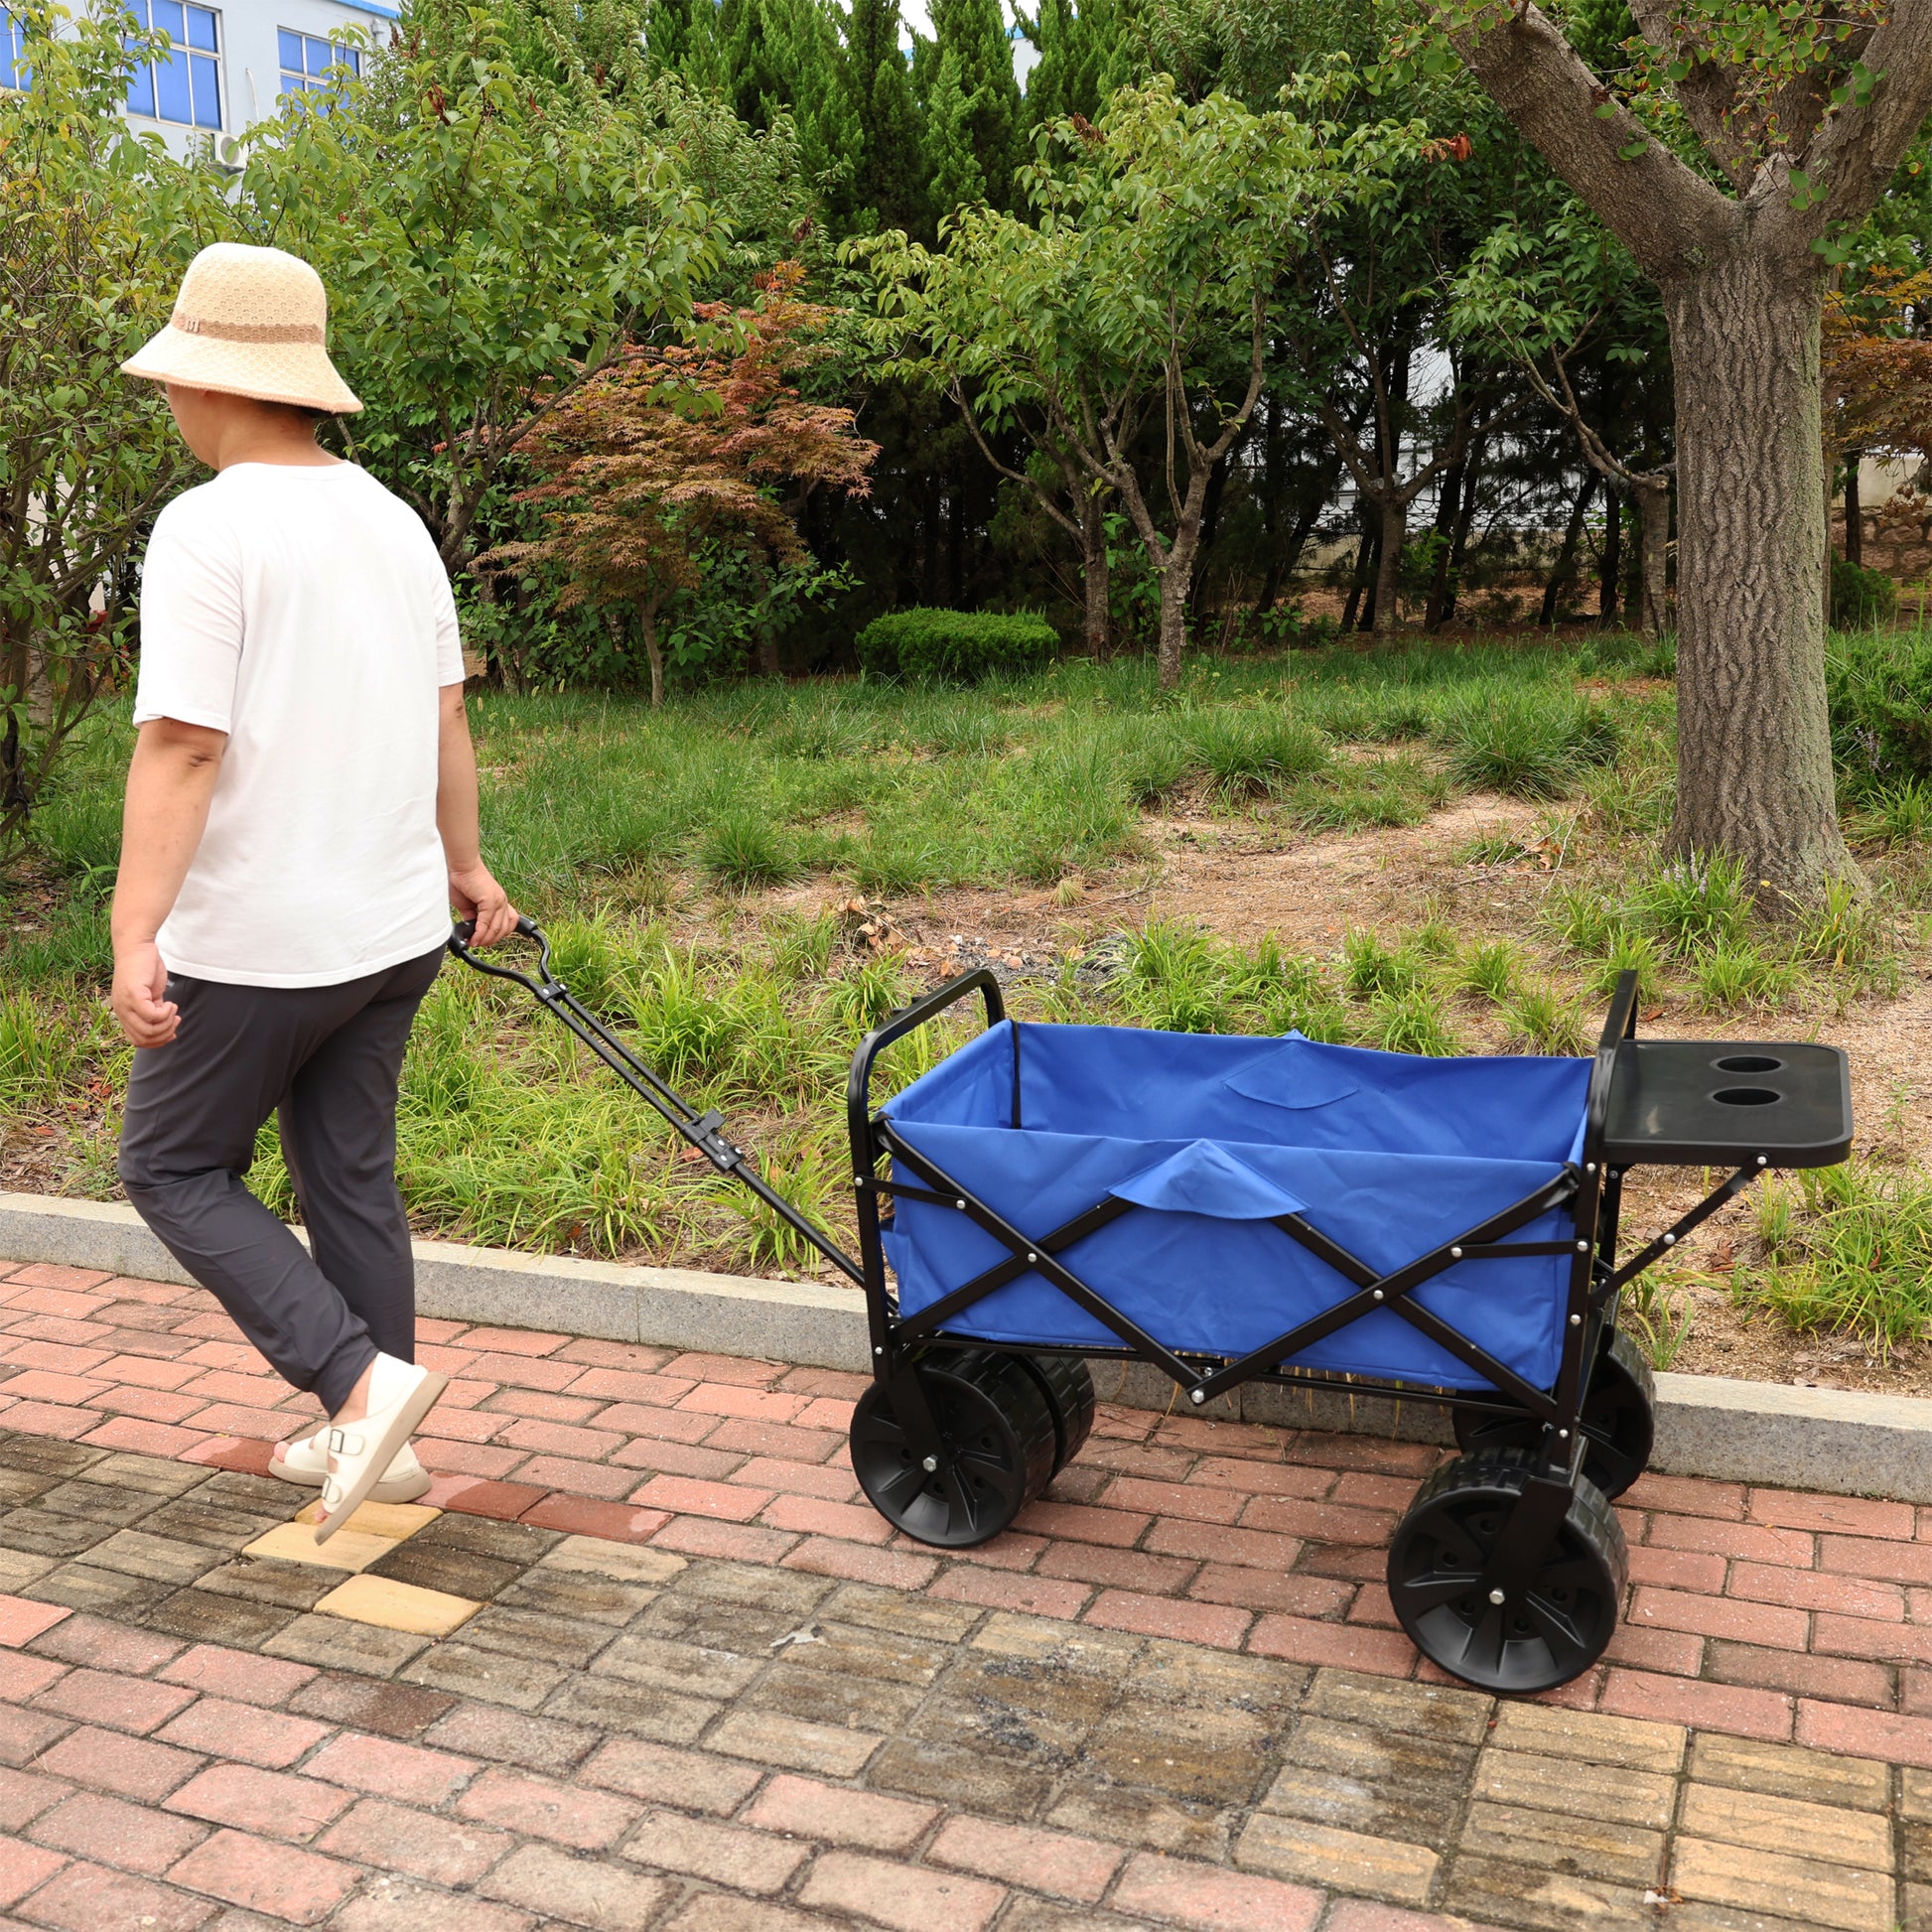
x=474, y=895
x=139, y=999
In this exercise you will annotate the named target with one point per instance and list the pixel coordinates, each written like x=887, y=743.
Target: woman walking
x=301, y=816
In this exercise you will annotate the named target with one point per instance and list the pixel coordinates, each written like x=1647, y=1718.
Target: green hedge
x=956, y=646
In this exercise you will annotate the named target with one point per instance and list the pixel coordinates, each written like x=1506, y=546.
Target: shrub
x=1860, y=598
x=956, y=646
x=1881, y=690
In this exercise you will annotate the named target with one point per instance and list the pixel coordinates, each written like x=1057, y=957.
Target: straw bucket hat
x=248, y=322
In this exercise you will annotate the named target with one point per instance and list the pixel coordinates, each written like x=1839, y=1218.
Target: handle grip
x=463, y=930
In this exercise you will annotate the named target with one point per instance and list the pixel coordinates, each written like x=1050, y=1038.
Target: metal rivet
x=1576, y=1320
x=1032, y=1257
x=1563, y=1435
x=1378, y=1294
x=1763, y=1160
x=930, y=1464
x=1456, y=1254
x=1590, y=1167
x=1670, y=1240
x=959, y=1205
x=858, y=1180
x=1497, y=1597
x=1196, y=1395
x=878, y=1351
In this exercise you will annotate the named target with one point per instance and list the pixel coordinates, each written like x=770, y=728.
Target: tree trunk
x=1176, y=580
x=1566, y=563
x=1388, y=566
x=653, y=650
x=1448, y=502
x=1854, y=509
x=1353, y=616
x=1754, y=756
x=1609, y=571
x=1095, y=576
x=1651, y=494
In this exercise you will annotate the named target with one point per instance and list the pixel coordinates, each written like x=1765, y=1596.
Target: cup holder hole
x=1745, y=1097
x=1747, y=1063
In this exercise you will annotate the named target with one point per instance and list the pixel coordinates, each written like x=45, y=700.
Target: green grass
x=1847, y=1251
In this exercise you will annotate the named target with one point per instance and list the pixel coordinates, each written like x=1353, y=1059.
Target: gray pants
x=326, y=1059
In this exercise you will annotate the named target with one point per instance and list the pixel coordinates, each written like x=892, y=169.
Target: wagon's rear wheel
x=997, y=1444
x=1541, y=1630
x=1619, y=1422
x=1068, y=1384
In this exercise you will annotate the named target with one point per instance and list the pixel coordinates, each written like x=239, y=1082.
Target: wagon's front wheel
x=1619, y=1422
x=995, y=1449
x=1502, y=1617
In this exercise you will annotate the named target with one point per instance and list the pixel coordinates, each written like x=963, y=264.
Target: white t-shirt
x=303, y=611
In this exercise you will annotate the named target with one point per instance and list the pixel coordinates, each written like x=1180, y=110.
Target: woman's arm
x=472, y=892
x=169, y=785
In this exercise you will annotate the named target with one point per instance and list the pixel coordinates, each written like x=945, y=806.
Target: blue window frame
x=184, y=84
x=306, y=62
x=14, y=71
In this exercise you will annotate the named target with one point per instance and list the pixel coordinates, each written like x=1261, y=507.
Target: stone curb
x=1835, y=1440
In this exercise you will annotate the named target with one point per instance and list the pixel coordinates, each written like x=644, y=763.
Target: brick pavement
x=617, y=1737
x=1760, y=1612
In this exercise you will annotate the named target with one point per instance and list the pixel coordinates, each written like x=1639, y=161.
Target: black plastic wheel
x=996, y=1449
x=1545, y=1633
x=1068, y=1384
x=1620, y=1420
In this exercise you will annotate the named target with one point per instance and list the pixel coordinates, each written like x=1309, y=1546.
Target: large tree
x=1754, y=138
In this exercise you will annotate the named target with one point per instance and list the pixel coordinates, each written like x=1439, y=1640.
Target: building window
x=307, y=62
x=185, y=83
x=14, y=71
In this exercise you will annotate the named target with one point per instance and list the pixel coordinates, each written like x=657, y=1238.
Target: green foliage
x=96, y=226
x=481, y=247
x=1862, y=598
x=956, y=646
x=1698, y=903
x=1541, y=1020
x=1879, y=686
x=1536, y=744
x=1847, y=1251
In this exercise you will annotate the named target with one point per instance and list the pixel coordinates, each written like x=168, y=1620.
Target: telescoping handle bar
x=705, y=1132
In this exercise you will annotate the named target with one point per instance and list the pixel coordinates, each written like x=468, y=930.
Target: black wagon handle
x=703, y=1131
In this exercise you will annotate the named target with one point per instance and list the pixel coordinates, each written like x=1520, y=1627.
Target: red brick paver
x=1763, y=1612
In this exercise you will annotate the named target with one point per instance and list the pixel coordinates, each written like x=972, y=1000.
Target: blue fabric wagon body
x=1208, y=1136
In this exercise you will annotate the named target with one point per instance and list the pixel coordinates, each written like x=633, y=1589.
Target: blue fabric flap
x=1293, y=1075
x=1206, y=1178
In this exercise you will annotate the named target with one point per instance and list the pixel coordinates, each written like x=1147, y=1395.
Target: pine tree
x=1084, y=54
x=889, y=185
x=987, y=117
x=782, y=57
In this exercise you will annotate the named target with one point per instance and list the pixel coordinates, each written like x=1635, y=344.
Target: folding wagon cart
x=1238, y=1209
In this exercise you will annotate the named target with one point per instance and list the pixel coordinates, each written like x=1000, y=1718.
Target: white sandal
x=360, y=1452
x=305, y=1459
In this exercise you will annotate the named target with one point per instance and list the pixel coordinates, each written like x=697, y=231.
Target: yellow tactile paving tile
x=397, y=1606
x=369, y=1535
